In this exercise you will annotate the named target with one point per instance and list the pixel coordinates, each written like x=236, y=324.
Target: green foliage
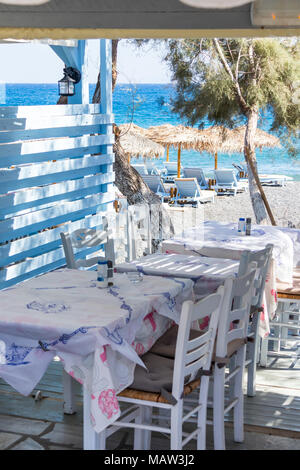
x=226, y=79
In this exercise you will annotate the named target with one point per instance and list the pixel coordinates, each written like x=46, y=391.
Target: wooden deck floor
x=272, y=418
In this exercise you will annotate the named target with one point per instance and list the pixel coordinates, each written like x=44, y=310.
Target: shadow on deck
x=272, y=418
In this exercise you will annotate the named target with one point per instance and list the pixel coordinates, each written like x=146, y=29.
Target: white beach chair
x=198, y=174
x=170, y=171
x=152, y=168
x=188, y=190
x=140, y=168
x=270, y=180
x=171, y=168
x=226, y=180
x=156, y=185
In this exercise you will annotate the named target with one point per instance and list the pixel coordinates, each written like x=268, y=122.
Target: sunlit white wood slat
x=56, y=173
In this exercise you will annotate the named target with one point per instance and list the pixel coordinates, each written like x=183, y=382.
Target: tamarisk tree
x=227, y=80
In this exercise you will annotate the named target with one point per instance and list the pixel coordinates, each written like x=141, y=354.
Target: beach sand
x=284, y=203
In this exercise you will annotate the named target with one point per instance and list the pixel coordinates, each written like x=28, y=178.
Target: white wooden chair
x=139, y=231
x=168, y=381
x=231, y=342
x=285, y=327
x=262, y=258
x=82, y=240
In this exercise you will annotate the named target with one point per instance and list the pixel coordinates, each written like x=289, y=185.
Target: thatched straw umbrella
x=216, y=139
x=135, y=144
x=232, y=140
x=179, y=137
x=262, y=138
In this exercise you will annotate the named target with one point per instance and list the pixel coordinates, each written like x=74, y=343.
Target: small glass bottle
x=241, y=226
x=110, y=273
x=248, y=226
x=102, y=274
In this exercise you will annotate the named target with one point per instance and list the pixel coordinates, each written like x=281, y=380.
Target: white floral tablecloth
x=98, y=334
x=207, y=273
x=220, y=237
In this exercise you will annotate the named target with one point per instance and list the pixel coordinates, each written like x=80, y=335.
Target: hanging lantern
x=66, y=86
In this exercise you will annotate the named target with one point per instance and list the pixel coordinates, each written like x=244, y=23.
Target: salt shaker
x=102, y=274
x=241, y=226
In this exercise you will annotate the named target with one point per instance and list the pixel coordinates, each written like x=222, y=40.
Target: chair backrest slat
x=154, y=182
x=225, y=177
x=140, y=168
x=235, y=306
x=196, y=173
x=188, y=187
x=171, y=168
x=262, y=258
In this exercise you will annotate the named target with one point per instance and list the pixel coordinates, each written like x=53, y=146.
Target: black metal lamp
x=66, y=86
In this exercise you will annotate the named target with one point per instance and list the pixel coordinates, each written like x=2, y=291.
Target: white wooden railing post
x=106, y=99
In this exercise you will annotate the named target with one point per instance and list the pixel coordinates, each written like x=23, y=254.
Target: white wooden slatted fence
x=56, y=174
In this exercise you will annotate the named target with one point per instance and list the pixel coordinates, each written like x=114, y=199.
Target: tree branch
x=227, y=68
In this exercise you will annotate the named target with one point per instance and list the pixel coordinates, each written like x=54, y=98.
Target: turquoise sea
x=149, y=105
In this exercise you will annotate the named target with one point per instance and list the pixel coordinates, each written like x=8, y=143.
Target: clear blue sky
x=37, y=63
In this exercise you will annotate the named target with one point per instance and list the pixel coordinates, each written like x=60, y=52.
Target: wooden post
x=216, y=160
x=167, y=153
x=179, y=161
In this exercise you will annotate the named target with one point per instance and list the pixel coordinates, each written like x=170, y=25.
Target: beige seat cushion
x=166, y=345
x=155, y=382
x=159, y=374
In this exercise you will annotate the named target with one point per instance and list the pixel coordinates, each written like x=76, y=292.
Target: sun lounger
x=140, y=168
x=156, y=185
x=227, y=181
x=188, y=190
x=272, y=179
x=198, y=174
x=171, y=170
x=152, y=169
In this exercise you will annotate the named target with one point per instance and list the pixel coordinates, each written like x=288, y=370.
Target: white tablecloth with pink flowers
x=218, y=239
x=98, y=334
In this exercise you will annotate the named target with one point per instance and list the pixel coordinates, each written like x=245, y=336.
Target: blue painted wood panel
x=56, y=174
